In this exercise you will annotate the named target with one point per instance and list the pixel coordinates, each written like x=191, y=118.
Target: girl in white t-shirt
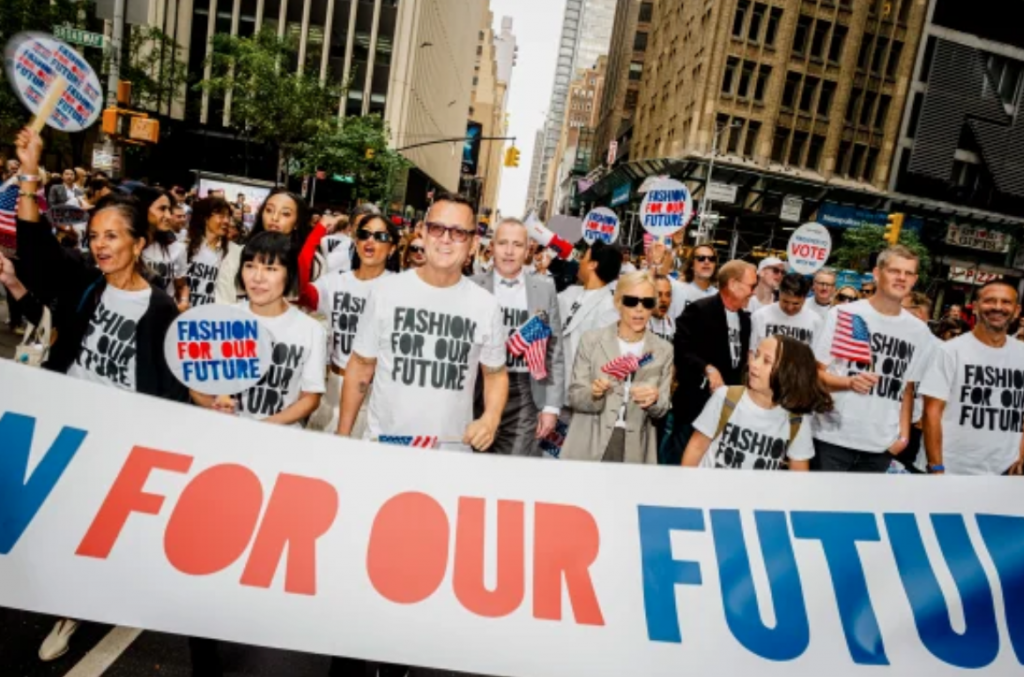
x=166, y=258
x=341, y=297
x=762, y=426
x=207, y=248
x=293, y=382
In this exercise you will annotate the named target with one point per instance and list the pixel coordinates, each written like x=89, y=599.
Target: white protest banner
x=217, y=349
x=601, y=224
x=38, y=67
x=667, y=207
x=809, y=247
x=120, y=508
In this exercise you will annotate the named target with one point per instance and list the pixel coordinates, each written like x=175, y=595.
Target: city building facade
x=576, y=142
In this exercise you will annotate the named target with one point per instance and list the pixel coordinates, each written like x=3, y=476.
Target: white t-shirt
x=108, y=348
x=821, y=311
x=900, y=347
x=919, y=398
x=771, y=320
x=297, y=364
x=685, y=293
x=202, y=275
x=429, y=343
x=735, y=343
x=337, y=252
x=754, y=305
x=754, y=438
x=514, y=314
x=167, y=265
x=664, y=327
x=983, y=388
x=627, y=348
x=343, y=301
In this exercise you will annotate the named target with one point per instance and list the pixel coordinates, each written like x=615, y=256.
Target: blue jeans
x=673, y=440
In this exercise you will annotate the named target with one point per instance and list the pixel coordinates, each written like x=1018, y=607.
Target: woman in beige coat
x=613, y=419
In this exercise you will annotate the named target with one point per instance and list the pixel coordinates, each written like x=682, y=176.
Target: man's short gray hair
x=896, y=252
x=825, y=271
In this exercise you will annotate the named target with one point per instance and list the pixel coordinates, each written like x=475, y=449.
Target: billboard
x=471, y=148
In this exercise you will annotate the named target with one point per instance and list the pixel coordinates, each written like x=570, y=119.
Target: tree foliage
x=861, y=242
x=154, y=67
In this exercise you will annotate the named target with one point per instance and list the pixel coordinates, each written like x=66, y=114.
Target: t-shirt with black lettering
x=900, y=347
x=983, y=388
x=202, y=275
x=429, y=343
x=772, y=320
x=337, y=252
x=732, y=319
x=685, y=293
x=754, y=438
x=342, y=300
x=167, y=264
x=663, y=327
x=297, y=364
x=108, y=348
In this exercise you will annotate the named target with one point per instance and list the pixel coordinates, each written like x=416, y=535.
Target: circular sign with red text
x=809, y=247
x=601, y=225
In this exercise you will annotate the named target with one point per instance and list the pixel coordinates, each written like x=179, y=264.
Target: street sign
x=613, y=152
x=791, y=208
x=722, y=192
x=77, y=36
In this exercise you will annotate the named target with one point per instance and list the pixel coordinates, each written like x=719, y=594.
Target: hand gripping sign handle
x=46, y=108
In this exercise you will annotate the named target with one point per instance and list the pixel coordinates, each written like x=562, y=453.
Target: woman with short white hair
x=615, y=408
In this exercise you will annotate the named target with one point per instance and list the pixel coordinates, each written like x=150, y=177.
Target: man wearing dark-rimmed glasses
x=824, y=291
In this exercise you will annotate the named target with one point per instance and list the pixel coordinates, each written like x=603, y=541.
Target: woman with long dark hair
x=165, y=257
x=341, y=298
x=209, y=249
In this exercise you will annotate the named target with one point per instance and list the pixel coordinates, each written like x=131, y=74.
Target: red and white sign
x=971, y=275
x=809, y=248
x=35, y=61
x=613, y=152
x=601, y=225
x=667, y=208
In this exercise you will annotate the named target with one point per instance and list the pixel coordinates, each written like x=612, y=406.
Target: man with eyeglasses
x=533, y=405
x=423, y=339
x=870, y=354
x=824, y=291
x=711, y=344
x=769, y=276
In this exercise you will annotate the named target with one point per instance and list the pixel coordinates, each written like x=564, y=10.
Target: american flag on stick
x=8, y=214
x=531, y=340
x=418, y=441
x=623, y=366
x=852, y=339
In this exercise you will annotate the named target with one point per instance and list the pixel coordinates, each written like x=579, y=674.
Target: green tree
x=861, y=242
x=356, y=147
x=272, y=102
x=155, y=68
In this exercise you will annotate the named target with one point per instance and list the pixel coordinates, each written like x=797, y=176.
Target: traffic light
x=370, y=153
x=109, y=121
x=892, y=230
x=512, y=157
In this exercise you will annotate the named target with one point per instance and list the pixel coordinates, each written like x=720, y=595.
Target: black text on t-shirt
x=992, y=398
x=798, y=333
x=161, y=271
x=445, y=366
x=266, y=398
x=737, y=443
x=202, y=280
x=513, y=318
x=115, y=346
x=345, y=312
x=889, y=359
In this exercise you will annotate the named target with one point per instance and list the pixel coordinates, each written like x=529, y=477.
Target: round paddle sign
x=601, y=225
x=218, y=350
x=668, y=207
x=809, y=247
x=53, y=81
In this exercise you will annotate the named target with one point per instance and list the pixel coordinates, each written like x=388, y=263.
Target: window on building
x=746, y=75
x=869, y=165
x=640, y=42
x=882, y=114
x=796, y=148
x=479, y=51
x=828, y=91
x=856, y=160
x=756, y=20
x=632, y=96
x=764, y=74
x=866, y=44
x=802, y=34
x=868, y=108
x=835, y=48
x=878, y=56
x=790, y=89
x=740, y=18
x=779, y=145
x=851, y=107
x=843, y=159
x=809, y=92
x=772, y=30
x=814, y=151
x=476, y=81
x=965, y=174
x=894, y=59
x=646, y=12
x=750, y=139
x=1003, y=77
x=636, y=71
x=819, y=38
x=732, y=145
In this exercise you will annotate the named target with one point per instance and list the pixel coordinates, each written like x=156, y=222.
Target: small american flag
x=852, y=340
x=624, y=366
x=8, y=211
x=419, y=441
x=532, y=340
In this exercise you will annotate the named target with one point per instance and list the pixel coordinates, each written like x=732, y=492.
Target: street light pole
x=705, y=201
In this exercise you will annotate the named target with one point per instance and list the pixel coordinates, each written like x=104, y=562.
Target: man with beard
x=974, y=393
x=662, y=323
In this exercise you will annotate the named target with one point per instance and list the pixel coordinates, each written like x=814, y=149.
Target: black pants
x=206, y=662
x=908, y=457
x=834, y=458
x=13, y=311
x=354, y=667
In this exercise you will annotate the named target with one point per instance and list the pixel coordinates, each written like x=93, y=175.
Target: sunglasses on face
x=459, y=235
x=381, y=236
x=633, y=301
x=415, y=249
x=846, y=298
x=704, y=259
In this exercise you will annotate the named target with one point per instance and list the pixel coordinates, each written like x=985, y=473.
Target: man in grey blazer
x=533, y=406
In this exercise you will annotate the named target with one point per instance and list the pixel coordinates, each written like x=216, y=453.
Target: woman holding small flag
x=621, y=382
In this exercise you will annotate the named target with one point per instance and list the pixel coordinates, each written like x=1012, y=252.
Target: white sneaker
x=56, y=643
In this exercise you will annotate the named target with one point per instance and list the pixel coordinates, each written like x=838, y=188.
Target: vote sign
x=667, y=208
x=35, y=62
x=601, y=225
x=218, y=350
x=809, y=247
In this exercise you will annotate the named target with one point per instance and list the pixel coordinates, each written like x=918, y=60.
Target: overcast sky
x=537, y=25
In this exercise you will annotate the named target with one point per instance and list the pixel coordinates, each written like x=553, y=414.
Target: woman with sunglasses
x=341, y=298
x=846, y=294
x=613, y=418
x=413, y=254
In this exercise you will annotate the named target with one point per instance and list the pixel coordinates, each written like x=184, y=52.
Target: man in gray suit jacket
x=533, y=406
